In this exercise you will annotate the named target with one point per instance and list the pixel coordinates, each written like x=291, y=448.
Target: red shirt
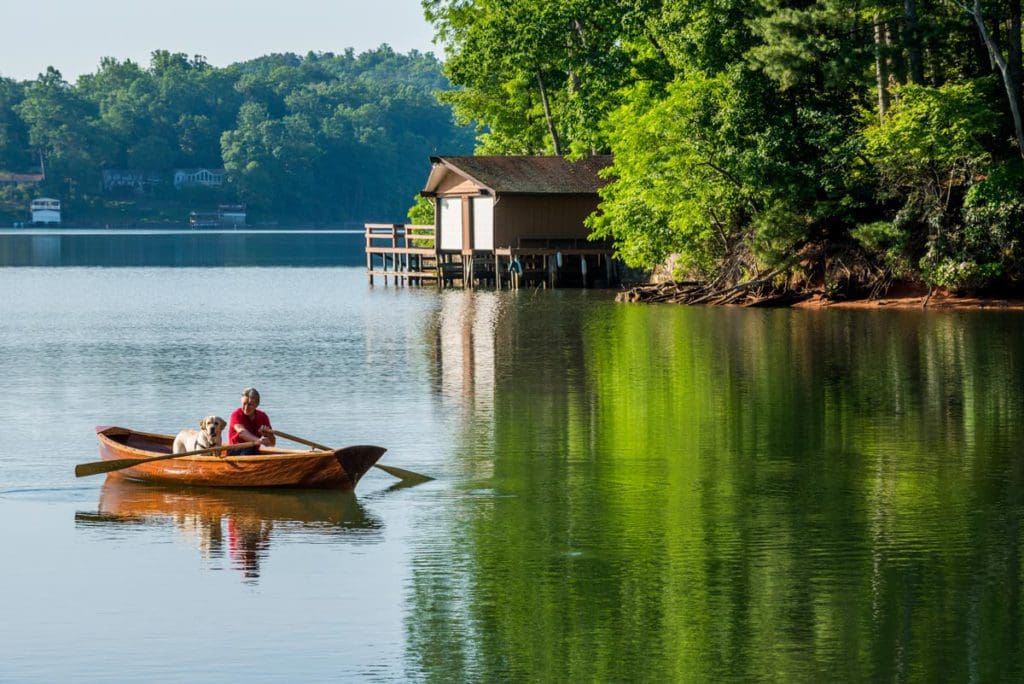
x=251, y=424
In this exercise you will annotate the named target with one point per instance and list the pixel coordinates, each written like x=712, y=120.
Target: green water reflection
x=672, y=494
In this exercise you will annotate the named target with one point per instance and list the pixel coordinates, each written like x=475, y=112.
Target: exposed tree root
x=831, y=273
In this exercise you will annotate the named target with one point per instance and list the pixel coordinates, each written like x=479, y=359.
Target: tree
x=1009, y=65
x=61, y=130
x=928, y=152
x=541, y=76
x=15, y=154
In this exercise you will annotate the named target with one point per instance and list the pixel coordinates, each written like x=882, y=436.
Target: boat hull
x=339, y=469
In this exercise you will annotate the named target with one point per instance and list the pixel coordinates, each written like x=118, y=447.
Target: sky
x=72, y=35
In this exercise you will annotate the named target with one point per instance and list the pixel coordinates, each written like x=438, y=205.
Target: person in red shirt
x=248, y=424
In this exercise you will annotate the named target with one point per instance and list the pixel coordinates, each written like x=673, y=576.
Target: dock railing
x=407, y=252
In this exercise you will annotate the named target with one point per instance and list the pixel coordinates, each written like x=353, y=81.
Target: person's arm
x=267, y=436
x=246, y=435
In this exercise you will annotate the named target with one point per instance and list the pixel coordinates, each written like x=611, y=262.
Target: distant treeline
x=323, y=138
x=826, y=142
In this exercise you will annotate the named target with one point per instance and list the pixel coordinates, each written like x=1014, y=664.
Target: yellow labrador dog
x=208, y=435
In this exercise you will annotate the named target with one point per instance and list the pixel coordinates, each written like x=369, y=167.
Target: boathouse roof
x=522, y=175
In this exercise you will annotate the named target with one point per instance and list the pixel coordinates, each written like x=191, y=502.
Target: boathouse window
x=451, y=223
x=483, y=223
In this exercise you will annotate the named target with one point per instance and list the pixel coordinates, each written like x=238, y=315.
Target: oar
x=400, y=473
x=97, y=467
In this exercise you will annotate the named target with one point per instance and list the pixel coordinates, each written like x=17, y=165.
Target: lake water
x=623, y=492
x=168, y=247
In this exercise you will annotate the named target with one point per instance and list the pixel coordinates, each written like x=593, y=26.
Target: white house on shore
x=190, y=178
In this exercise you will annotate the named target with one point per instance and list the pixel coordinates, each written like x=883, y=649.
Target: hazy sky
x=72, y=35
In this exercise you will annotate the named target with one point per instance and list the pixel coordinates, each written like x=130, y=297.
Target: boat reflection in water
x=234, y=523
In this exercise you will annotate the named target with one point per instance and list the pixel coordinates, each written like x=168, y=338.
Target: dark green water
x=623, y=493
x=707, y=495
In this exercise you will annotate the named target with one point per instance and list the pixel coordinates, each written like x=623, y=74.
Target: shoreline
x=903, y=296
x=939, y=300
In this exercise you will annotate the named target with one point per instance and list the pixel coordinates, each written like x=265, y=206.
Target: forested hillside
x=825, y=142
x=322, y=138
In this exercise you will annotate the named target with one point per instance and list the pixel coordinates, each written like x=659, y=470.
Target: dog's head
x=212, y=427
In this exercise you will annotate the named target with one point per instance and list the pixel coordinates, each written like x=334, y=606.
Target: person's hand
x=264, y=431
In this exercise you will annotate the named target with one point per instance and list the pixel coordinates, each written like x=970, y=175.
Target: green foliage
x=932, y=140
x=722, y=167
x=888, y=241
x=674, y=190
x=994, y=219
x=928, y=152
x=507, y=58
x=421, y=212
x=320, y=138
x=15, y=154
x=746, y=133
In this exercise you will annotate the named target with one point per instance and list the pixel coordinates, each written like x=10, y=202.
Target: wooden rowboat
x=273, y=467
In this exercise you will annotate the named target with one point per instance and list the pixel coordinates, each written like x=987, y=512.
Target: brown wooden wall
x=453, y=184
x=534, y=217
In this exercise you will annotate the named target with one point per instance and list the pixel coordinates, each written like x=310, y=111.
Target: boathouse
x=497, y=220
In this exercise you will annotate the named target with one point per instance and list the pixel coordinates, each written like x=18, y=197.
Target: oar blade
x=403, y=474
x=97, y=467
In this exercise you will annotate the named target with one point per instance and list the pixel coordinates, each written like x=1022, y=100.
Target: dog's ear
x=221, y=423
x=202, y=424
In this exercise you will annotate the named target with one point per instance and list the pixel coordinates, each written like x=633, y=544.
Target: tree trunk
x=1013, y=58
x=578, y=26
x=1012, y=89
x=547, y=116
x=912, y=39
x=881, y=70
x=897, y=61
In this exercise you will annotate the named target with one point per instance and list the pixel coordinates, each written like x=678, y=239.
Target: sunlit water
x=623, y=492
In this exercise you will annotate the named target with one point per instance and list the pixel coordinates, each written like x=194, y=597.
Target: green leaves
x=322, y=138
x=676, y=188
x=744, y=133
x=933, y=138
x=928, y=153
x=537, y=76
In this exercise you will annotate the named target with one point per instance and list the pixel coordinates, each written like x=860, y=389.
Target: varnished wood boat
x=272, y=467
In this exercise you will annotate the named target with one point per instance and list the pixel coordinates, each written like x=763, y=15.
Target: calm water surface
x=623, y=493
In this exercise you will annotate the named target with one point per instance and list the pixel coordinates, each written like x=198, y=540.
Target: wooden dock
x=405, y=252
x=409, y=254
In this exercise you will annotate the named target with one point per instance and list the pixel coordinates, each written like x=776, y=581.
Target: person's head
x=250, y=400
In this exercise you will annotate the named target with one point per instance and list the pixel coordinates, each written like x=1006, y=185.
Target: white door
x=451, y=224
x=483, y=223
